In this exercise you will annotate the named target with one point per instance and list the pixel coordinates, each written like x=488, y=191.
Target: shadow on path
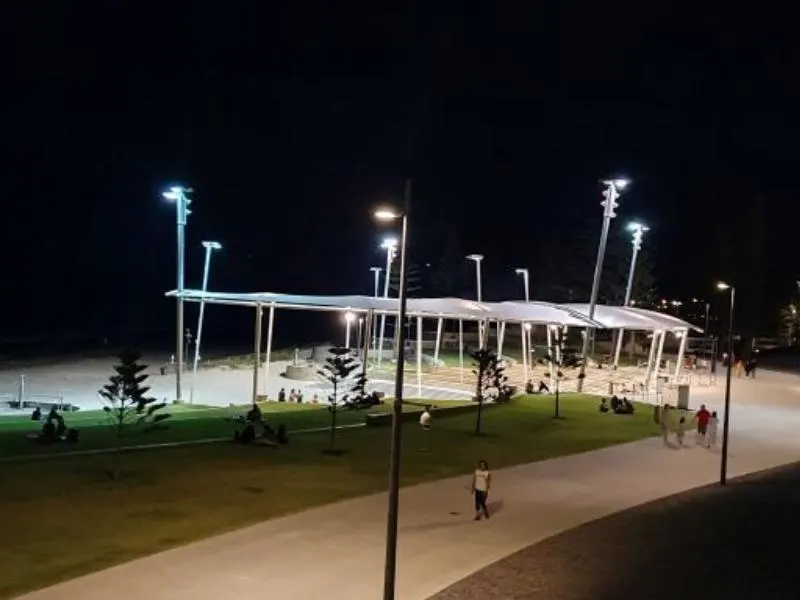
x=712, y=543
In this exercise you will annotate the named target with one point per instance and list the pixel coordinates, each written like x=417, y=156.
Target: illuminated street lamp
x=723, y=469
x=477, y=258
x=390, y=571
x=638, y=231
x=177, y=194
x=210, y=247
x=390, y=245
x=611, y=193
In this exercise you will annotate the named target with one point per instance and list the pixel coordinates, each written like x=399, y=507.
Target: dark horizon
x=291, y=129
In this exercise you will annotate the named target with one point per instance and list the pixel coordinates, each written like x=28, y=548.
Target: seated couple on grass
x=54, y=428
x=619, y=406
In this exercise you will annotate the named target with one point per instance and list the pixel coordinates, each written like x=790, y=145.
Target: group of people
x=54, y=428
x=617, y=405
x=705, y=421
x=742, y=367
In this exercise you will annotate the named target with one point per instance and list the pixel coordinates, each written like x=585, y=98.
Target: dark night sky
x=290, y=123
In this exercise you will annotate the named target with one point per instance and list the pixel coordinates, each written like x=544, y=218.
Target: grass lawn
x=63, y=517
x=186, y=423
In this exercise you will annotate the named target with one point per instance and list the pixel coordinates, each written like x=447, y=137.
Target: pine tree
x=128, y=407
x=491, y=382
x=338, y=366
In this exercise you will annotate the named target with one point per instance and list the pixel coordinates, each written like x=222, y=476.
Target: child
x=681, y=430
x=711, y=431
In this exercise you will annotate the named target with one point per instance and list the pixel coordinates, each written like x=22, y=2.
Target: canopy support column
x=618, y=345
x=524, y=354
x=439, y=324
x=550, y=357
x=657, y=366
x=650, y=357
x=419, y=357
x=270, y=322
x=681, y=352
x=461, y=349
x=367, y=338
x=380, y=339
x=501, y=337
x=257, y=351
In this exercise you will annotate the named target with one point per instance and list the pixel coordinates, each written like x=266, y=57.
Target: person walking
x=680, y=430
x=481, y=482
x=702, y=417
x=711, y=432
x=663, y=423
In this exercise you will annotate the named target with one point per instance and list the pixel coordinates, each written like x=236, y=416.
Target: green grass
x=186, y=424
x=63, y=517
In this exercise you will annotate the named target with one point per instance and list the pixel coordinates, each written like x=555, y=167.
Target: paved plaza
x=336, y=551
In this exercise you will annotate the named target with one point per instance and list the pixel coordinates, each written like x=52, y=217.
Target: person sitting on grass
x=529, y=387
x=543, y=389
x=603, y=405
x=615, y=404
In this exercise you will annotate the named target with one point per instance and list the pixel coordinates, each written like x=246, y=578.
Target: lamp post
x=397, y=408
x=611, y=193
x=638, y=231
x=210, y=247
x=477, y=258
x=527, y=283
x=348, y=319
x=723, y=468
x=390, y=245
x=177, y=194
x=376, y=271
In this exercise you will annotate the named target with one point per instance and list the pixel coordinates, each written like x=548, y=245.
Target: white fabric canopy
x=571, y=315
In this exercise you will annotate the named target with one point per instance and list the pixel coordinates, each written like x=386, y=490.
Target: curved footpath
x=709, y=543
x=336, y=551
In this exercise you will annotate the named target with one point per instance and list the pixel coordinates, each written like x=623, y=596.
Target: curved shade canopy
x=570, y=315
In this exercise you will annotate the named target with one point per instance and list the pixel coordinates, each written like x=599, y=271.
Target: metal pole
x=501, y=337
x=347, y=331
x=527, y=332
x=723, y=471
x=21, y=399
x=206, y=269
x=419, y=357
x=374, y=326
x=681, y=352
x=257, y=361
x=650, y=359
x=608, y=213
x=179, y=203
x=397, y=424
x=439, y=325
x=524, y=354
x=550, y=351
x=461, y=349
x=628, y=292
x=270, y=322
x=367, y=334
x=659, y=355
x=389, y=251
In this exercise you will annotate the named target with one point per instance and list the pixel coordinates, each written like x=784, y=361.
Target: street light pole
x=477, y=258
x=638, y=232
x=210, y=247
x=177, y=194
x=611, y=194
x=723, y=467
x=390, y=572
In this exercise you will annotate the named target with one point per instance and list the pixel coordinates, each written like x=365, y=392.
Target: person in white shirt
x=425, y=418
x=481, y=482
x=711, y=430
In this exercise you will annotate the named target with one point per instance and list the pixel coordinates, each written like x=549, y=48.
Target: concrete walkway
x=337, y=551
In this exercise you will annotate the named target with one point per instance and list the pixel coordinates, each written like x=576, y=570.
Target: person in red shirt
x=702, y=417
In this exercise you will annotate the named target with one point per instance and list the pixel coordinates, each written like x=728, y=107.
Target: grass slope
x=63, y=517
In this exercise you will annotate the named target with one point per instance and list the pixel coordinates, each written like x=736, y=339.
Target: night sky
x=291, y=122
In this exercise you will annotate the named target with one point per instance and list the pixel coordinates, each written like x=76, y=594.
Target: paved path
x=336, y=551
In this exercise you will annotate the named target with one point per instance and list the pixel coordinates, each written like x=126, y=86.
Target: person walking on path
x=711, y=432
x=702, y=417
x=663, y=423
x=680, y=430
x=481, y=482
